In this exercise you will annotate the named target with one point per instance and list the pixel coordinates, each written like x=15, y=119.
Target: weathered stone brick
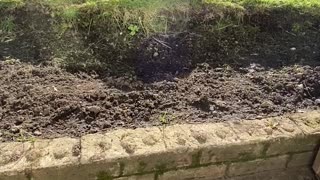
x=156, y=162
x=141, y=177
x=213, y=134
x=72, y=172
x=309, y=122
x=287, y=174
x=20, y=176
x=222, y=144
x=316, y=164
x=219, y=143
x=55, y=159
x=232, y=152
x=185, y=147
x=100, y=154
x=175, y=150
x=301, y=159
x=256, y=166
x=284, y=145
x=265, y=130
x=12, y=157
x=281, y=135
x=201, y=173
x=54, y=153
x=42, y=159
x=182, y=147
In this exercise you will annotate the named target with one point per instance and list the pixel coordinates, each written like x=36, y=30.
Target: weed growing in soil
x=134, y=29
x=25, y=137
x=165, y=118
x=7, y=25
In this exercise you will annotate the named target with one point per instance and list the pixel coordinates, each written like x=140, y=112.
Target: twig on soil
x=226, y=26
x=291, y=33
x=89, y=29
x=162, y=43
x=307, y=89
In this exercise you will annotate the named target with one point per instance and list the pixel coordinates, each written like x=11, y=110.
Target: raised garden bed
x=162, y=90
x=275, y=148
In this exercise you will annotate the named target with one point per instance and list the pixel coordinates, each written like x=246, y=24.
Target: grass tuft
x=304, y=6
x=10, y=4
x=7, y=24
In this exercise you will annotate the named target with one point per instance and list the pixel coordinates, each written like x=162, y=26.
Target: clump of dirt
x=49, y=102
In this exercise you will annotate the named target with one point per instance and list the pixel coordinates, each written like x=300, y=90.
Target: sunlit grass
x=307, y=6
x=7, y=24
x=10, y=3
x=157, y=15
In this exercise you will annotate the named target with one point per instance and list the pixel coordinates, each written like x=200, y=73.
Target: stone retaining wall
x=316, y=165
x=255, y=149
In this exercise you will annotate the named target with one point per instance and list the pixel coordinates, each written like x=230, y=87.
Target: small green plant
x=70, y=14
x=222, y=24
x=25, y=137
x=296, y=28
x=7, y=25
x=165, y=118
x=134, y=29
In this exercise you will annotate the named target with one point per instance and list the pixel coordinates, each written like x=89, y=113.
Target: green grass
x=8, y=4
x=70, y=14
x=7, y=24
x=153, y=16
x=149, y=15
x=306, y=6
x=153, y=6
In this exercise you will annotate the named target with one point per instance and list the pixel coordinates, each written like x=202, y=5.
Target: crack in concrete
x=162, y=128
x=80, y=151
x=296, y=124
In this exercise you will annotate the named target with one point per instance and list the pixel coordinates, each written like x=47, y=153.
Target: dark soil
x=49, y=102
